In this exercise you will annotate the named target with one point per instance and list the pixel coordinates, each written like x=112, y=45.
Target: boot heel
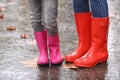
x=103, y=60
x=57, y=64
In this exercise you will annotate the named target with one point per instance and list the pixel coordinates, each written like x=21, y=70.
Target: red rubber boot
x=83, y=26
x=98, y=51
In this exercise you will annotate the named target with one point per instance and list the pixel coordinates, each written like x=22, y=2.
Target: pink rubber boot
x=53, y=45
x=41, y=40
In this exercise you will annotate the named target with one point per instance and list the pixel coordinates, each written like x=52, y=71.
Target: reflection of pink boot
x=53, y=44
x=41, y=40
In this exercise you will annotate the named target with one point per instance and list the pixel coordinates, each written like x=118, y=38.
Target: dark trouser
x=99, y=8
x=43, y=14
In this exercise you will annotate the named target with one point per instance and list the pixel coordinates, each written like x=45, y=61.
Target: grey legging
x=43, y=14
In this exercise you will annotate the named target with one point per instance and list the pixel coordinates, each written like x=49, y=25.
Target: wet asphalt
x=18, y=56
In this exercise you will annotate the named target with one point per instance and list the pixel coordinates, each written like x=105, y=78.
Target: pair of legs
x=99, y=8
x=43, y=15
x=91, y=17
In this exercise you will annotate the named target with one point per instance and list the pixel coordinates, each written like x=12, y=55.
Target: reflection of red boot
x=41, y=40
x=53, y=45
x=83, y=26
x=98, y=51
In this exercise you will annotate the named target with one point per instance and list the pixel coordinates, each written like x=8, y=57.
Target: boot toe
x=79, y=62
x=69, y=58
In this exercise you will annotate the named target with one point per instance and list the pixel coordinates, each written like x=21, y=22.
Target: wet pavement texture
x=18, y=56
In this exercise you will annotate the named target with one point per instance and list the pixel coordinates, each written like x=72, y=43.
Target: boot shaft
x=99, y=32
x=83, y=22
x=41, y=40
x=83, y=27
x=54, y=49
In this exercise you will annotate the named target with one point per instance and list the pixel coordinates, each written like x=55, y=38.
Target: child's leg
x=35, y=15
x=50, y=8
x=83, y=26
x=50, y=23
x=39, y=33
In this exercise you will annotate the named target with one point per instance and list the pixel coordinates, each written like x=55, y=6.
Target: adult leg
x=39, y=33
x=50, y=23
x=83, y=25
x=99, y=23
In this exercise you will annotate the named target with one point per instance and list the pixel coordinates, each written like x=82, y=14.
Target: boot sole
x=87, y=66
x=57, y=64
x=43, y=65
